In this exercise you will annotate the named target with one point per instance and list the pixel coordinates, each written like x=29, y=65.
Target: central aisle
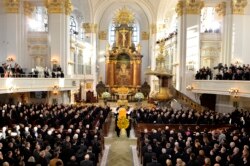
x=120, y=151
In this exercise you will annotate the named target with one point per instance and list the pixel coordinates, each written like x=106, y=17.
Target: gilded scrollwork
x=238, y=6
x=221, y=9
x=11, y=6
x=89, y=27
x=59, y=6
x=28, y=8
x=189, y=7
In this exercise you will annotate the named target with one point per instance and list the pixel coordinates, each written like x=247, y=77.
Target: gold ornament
x=122, y=122
x=11, y=6
x=238, y=6
x=68, y=7
x=89, y=27
x=124, y=16
x=28, y=8
x=194, y=6
x=221, y=9
x=180, y=8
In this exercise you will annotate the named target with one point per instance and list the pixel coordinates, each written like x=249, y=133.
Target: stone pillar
x=188, y=19
x=152, y=62
x=12, y=30
x=26, y=62
x=90, y=30
x=59, y=11
x=240, y=32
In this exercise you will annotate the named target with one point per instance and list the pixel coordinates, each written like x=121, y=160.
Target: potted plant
x=106, y=96
x=139, y=96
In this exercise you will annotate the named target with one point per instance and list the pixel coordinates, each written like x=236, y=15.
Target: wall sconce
x=54, y=61
x=189, y=87
x=55, y=89
x=9, y=59
x=234, y=92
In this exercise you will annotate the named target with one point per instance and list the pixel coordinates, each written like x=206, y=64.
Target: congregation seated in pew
x=40, y=130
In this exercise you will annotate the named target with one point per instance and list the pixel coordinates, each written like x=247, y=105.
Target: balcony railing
x=222, y=87
x=16, y=85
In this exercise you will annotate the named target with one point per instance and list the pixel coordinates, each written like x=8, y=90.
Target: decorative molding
x=68, y=7
x=11, y=6
x=194, y=6
x=179, y=9
x=89, y=27
x=238, y=6
x=55, y=6
x=28, y=8
x=103, y=35
x=189, y=7
x=59, y=6
x=221, y=9
x=144, y=35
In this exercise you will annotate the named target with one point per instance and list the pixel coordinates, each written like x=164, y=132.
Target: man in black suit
x=86, y=161
x=154, y=162
x=1, y=71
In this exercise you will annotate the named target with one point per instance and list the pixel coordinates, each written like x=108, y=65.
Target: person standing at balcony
x=246, y=75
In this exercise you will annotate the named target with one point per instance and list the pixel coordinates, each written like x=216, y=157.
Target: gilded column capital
x=68, y=7
x=194, y=6
x=28, y=8
x=55, y=6
x=221, y=9
x=179, y=9
x=103, y=35
x=144, y=35
x=153, y=28
x=11, y=6
x=89, y=27
x=238, y=6
x=189, y=7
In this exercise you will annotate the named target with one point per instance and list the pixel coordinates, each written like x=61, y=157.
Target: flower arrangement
x=106, y=95
x=123, y=122
x=139, y=96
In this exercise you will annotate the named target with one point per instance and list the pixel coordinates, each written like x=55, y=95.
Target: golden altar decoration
x=123, y=58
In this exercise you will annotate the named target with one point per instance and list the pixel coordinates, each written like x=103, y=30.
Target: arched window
x=135, y=37
x=39, y=20
x=72, y=25
x=209, y=21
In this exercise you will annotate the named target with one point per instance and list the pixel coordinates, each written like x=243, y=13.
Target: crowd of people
x=224, y=72
x=227, y=146
x=42, y=134
x=182, y=147
x=168, y=115
x=9, y=70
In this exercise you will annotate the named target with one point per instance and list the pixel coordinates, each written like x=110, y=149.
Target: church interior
x=124, y=82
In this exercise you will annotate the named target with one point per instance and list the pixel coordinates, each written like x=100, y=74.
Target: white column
x=59, y=39
x=181, y=53
x=12, y=31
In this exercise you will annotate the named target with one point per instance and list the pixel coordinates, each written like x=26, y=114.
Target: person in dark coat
x=86, y=161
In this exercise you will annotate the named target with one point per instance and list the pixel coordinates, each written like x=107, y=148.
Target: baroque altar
x=123, y=58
